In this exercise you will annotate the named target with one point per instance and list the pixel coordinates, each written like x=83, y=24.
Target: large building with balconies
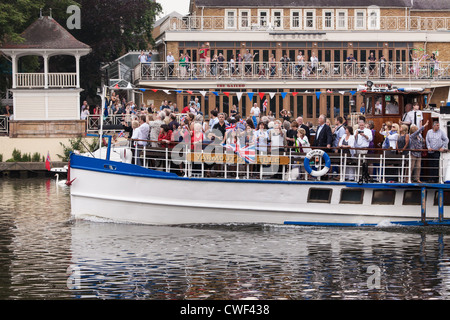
x=309, y=57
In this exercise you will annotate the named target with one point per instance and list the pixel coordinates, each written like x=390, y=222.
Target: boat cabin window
x=380, y=105
x=386, y=196
x=319, y=195
x=391, y=104
x=446, y=198
x=353, y=196
x=412, y=197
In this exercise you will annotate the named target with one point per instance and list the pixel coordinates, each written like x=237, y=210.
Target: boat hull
x=129, y=194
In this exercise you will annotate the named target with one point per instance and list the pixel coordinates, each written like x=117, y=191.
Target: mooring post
x=441, y=204
x=424, y=206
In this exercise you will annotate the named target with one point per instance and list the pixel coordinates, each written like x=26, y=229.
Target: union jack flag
x=265, y=105
x=230, y=126
x=248, y=153
x=121, y=134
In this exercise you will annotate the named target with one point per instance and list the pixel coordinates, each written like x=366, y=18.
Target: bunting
x=249, y=94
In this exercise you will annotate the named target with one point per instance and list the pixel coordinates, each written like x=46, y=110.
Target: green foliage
x=17, y=156
x=1, y=157
x=36, y=157
x=77, y=144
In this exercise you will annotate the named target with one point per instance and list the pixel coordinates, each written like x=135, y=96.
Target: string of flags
x=250, y=95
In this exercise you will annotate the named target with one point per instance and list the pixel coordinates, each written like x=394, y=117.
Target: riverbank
x=27, y=169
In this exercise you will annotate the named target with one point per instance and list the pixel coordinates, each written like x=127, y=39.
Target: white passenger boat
x=160, y=193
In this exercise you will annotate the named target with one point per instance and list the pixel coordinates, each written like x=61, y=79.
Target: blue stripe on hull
x=336, y=224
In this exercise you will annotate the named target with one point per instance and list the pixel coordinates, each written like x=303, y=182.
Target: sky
x=180, y=6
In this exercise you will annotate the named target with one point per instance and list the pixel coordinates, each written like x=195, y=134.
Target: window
x=277, y=19
x=446, y=198
x=263, y=18
x=328, y=19
x=310, y=16
x=341, y=19
x=374, y=18
x=296, y=20
x=412, y=197
x=352, y=196
x=386, y=196
x=392, y=106
x=230, y=16
x=360, y=19
x=318, y=195
x=244, y=19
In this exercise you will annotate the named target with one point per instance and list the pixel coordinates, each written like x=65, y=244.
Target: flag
x=48, y=165
x=230, y=146
x=265, y=105
x=230, y=126
x=121, y=134
x=248, y=153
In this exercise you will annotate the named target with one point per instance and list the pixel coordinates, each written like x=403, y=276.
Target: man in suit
x=324, y=136
x=304, y=126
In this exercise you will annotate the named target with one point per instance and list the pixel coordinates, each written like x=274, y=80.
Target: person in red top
x=186, y=109
x=203, y=52
x=165, y=137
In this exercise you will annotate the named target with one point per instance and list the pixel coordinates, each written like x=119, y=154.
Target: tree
x=112, y=28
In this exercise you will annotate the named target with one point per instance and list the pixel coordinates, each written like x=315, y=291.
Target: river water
x=44, y=254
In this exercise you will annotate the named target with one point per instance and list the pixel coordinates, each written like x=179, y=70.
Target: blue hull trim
x=397, y=223
x=113, y=167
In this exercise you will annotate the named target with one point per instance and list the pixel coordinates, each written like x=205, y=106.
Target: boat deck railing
x=363, y=165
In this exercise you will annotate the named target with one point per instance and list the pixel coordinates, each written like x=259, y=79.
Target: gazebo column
x=45, y=56
x=77, y=61
x=14, y=71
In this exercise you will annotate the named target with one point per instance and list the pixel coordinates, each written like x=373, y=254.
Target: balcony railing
x=4, y=124
x=37, y=80
x=293, y=70
x=323, y=23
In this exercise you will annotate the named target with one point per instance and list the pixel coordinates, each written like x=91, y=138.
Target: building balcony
x=282, y=72
x=297, y=23
x=39, y=80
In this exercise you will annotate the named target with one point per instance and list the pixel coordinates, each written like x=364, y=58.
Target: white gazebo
x=46, y=95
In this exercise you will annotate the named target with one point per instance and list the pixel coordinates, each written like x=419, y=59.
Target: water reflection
x=45, y=255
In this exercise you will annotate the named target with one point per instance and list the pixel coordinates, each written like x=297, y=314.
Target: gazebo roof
x=45, y=33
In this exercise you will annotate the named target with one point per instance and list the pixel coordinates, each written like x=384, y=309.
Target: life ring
x=315, y=153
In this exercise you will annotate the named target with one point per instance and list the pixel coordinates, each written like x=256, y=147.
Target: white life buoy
x=315, y=153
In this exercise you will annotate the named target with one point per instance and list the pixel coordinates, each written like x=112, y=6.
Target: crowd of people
x=166, y=127
x=300, y=65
